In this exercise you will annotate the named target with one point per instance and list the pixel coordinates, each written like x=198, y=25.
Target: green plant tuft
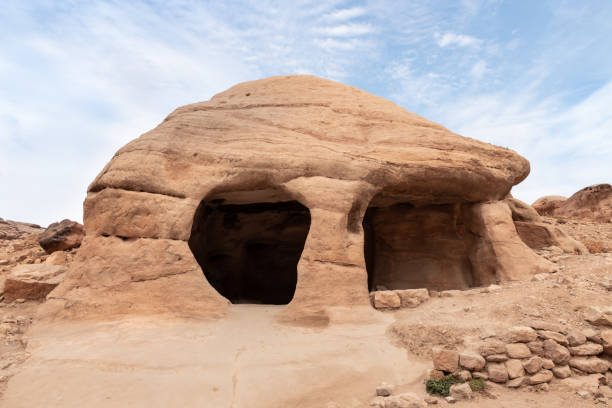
x=442, y=386
x=477, y=384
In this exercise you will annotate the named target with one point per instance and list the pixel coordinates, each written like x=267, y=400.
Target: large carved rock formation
x=262, y=192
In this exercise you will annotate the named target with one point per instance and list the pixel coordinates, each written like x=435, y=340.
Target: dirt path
x=245, y=360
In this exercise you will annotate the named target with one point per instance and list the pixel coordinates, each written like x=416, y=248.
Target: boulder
x=471, y=361
x=461, y=392
x=533, y=364
x=412, y=297
x=497, y=372
x=556, y=352
x=386, y=299
x=61, y=236
x=517, y=350
x=522, y=334
x=32, y=281
x=515, y=368
x=543, y=376
x=589, y=365
x=587, y=349
x=445, y=360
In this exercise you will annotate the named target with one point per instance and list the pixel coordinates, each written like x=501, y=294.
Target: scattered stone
x=450, y=400
x=32, y=281
x=533, y=365
x=384, y=390
x=461, y=392
x=599, y=316
x=517, y=382
x=584, y=394
x=546, y=325
x=450, y=293
x=518, y=350
x=547, y=363
x=61, y=236
x=539, y=277
x=556, y=352
x=515, y=368
x=575, y=337
x=471, y=361
x=562, y=371
x=445, y=360
x=412, y=297
x=497, y=372
x=433, y=374
x=587, y=349
x=497, y=358
x=405, y=400
x=543, y=376
x=592, y=335
x=492, y=346
x=606, y=341
x=378, y=402
x=481, y=375
x=590, y=364
x=558, y=337
x=536, y=347
x=431, y=400
x=522, y=334
x=465, y=375
x=386, y=299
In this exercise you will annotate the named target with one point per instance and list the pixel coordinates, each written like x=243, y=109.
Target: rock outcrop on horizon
x=593, y=203
x=288, y=171
x=61, y=236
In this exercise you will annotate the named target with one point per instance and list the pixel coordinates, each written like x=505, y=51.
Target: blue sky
x=78, y=79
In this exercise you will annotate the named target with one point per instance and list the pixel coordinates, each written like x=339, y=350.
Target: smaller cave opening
x=408, y=247
x=249, y=251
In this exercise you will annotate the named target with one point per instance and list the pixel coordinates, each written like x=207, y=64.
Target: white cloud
x=346, y=14
x=346, y=30
x=479, y=69
x=460, y=40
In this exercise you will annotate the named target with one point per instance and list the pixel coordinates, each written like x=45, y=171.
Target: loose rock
x=587, y=349
x=543, y=376
x=461, y=392
x=575, y=337
x=562, y=371
x=518, y=350
x=589, y=364
x=515, y=368
x=522, y=334
x=445, y=360
x=556, y=352
x=471, y=361
x=386, y=299
x=533, y=365
x=497, y=372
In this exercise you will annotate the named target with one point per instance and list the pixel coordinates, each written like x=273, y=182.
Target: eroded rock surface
x=339, y=152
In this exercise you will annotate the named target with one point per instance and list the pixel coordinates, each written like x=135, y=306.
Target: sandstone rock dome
x=295, y=190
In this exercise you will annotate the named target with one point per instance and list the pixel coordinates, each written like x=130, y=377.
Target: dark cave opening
x=249, y=252
x=408, y=247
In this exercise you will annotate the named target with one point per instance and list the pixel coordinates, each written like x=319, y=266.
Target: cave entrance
x=249, y=251
x=408, y=247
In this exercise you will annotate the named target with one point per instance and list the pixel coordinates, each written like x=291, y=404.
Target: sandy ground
x=250, y=360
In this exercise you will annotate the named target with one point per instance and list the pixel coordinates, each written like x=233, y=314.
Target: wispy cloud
x=345, y=14
x=80, y=79
x=460, y=40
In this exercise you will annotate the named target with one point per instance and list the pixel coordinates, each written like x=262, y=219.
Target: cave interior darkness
x=249, y=251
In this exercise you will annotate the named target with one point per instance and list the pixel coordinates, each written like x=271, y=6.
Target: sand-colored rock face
x=591, y=203
x=293, y=141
